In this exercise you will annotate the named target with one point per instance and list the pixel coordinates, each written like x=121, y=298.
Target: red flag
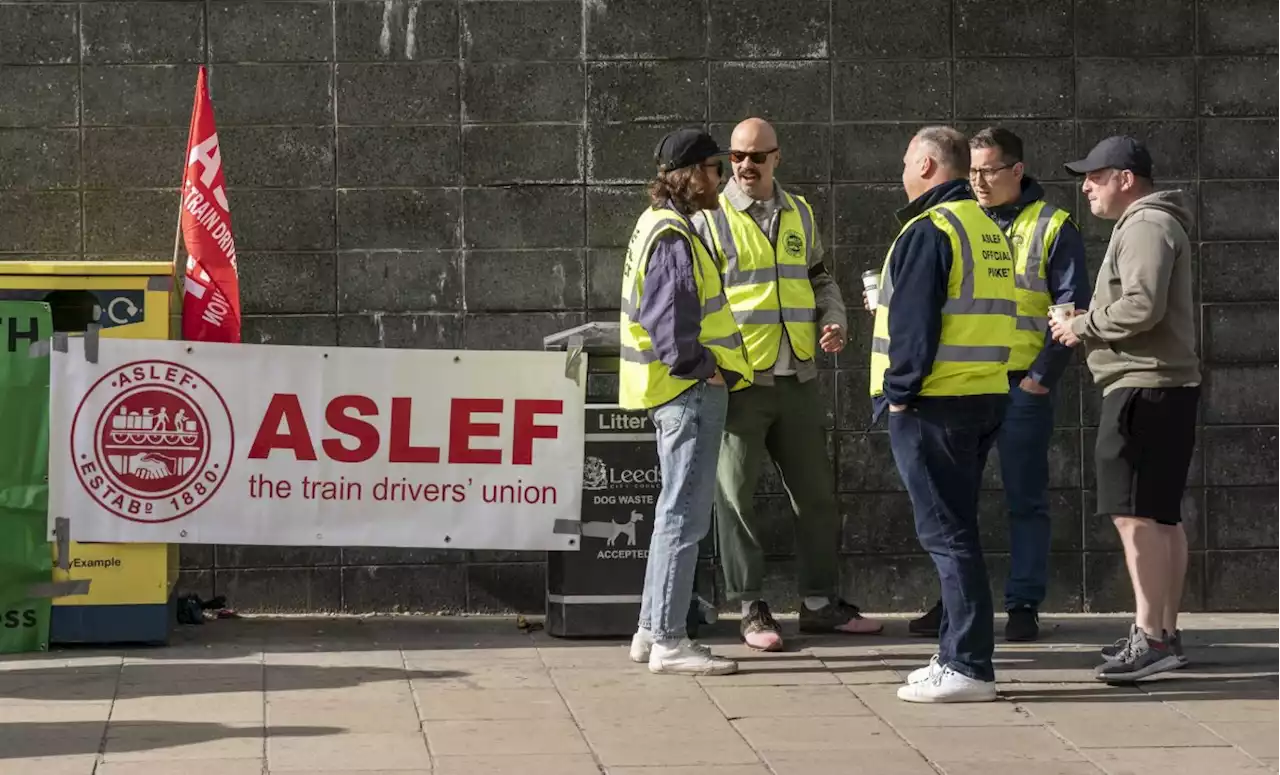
x=211, y=299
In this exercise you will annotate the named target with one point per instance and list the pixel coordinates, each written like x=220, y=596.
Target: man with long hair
x=681, y=354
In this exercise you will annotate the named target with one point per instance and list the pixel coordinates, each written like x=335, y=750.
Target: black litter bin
x=595, y=591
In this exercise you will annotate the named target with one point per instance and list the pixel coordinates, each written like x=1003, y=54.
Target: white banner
x=192, y=442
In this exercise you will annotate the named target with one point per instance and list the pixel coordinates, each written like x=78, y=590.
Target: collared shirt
x=830, y=304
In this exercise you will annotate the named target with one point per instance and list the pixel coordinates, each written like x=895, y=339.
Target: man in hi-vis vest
x=681, y=355
x=944, y=327
x=1049, y=269
x=788, y=307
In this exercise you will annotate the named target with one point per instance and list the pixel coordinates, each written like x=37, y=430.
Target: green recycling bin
x=25, y=555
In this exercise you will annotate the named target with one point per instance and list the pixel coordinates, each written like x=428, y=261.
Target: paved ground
x=477, y=696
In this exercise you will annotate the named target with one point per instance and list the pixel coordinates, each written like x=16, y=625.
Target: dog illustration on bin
x=610, y=530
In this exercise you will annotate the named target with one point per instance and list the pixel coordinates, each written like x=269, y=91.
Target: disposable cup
x=1061, y=313
x=871, y=284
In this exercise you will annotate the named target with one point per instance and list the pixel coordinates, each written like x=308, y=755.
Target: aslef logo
x=152, y=441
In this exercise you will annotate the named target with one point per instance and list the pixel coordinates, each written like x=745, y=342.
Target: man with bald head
x=788, y=307
x=944, y=327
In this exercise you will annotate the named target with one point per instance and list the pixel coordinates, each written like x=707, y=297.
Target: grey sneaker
x=1113, y=652
x=1143, y=656
x=1175, y=645
x=1119, y=650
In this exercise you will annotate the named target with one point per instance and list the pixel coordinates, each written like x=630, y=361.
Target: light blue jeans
x=688, y=428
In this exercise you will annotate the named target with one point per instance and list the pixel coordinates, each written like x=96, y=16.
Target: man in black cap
x=681, y=354
x=1139, y=334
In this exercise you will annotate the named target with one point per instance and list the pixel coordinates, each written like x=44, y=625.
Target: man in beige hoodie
x=1139, y=335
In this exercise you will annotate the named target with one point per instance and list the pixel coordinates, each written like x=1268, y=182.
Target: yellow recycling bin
x=130, y=598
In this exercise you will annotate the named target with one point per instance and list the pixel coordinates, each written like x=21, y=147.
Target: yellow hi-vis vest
x=768, y=288
x=1032, y=234
x=644, y=381
x=978, y=316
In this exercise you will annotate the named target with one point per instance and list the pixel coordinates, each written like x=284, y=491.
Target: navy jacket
x=1068, y=281
x=919, y=267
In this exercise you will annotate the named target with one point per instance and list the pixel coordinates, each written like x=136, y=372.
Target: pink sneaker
x=760, y=630
x=837, y=616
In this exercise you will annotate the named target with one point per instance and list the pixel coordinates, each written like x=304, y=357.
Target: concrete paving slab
x=466, y=696
x=507, y=737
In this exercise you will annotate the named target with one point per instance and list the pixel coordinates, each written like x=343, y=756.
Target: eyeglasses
x=756, y=157
x=987, y=173
x=718, y=166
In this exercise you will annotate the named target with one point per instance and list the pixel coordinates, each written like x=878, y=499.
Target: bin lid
x=599, y=338
x=27, y=268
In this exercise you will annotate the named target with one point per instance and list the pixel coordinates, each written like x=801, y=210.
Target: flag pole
x=179, y=270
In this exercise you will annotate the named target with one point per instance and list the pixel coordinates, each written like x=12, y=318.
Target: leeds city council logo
x=595, y=474
x=152, y=441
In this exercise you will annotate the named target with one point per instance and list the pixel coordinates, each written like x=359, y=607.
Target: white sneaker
x=641, y=642
x=925, y=673
x=946, y=685
x=688, y=658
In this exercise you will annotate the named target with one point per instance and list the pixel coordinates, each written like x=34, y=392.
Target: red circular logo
x=152, y=441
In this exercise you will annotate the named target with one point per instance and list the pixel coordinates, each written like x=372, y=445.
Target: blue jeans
x=1024, y=468
x=688, y=428
x=940, y=446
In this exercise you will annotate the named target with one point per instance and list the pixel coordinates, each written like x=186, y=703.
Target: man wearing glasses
x=787, y=306
x=1049, y=269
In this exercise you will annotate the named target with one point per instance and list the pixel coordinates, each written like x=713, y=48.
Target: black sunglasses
x=717, y=165
x=757, y=157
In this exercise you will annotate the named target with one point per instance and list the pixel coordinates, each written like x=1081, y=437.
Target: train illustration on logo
x=153, y=438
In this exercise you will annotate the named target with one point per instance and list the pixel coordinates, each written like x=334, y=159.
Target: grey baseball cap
x=1119, y=152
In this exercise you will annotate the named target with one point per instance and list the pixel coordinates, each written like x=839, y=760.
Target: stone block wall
x=465, y=173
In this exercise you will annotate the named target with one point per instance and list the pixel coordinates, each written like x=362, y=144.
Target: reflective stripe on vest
x=769, y=289
x=977, y=326
x=643, y=380
x=952, y=352
x=1032, y=235
x=714, y=304
x=649, y=356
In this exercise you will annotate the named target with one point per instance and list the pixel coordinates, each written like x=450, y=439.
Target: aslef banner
x=188, y=442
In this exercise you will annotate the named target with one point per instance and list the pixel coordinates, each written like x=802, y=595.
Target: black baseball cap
x=685, y=148
x=1119, y=152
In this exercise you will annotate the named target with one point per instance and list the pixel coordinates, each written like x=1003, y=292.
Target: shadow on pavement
x=1226, y=663
x=1167, y=687
x=89, y=684
x=25, y=740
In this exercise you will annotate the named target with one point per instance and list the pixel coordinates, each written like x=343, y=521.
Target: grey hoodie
x=1140, y=327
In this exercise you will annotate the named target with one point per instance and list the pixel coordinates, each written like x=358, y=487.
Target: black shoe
x=1023, y=625
x=1143, y=656
x=760, y=623
x=928, y=625
x=837, y=616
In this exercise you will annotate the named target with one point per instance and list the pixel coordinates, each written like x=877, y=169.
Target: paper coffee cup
x=1061, y=313
x=871, y=284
